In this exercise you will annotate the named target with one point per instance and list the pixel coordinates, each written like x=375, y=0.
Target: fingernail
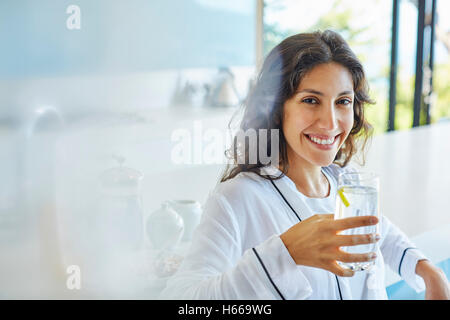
x=348, y=273
x=372, y=256
x=377, y=237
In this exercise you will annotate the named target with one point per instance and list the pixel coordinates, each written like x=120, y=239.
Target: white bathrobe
x=237, y=253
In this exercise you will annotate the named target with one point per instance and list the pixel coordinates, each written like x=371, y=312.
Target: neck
x=308, y=178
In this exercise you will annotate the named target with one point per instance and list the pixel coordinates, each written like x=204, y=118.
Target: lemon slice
x=343, y=198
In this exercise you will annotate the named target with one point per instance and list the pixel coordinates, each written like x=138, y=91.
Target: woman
x=267, y=230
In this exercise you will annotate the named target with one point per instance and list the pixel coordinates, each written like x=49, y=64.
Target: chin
x=323, y=162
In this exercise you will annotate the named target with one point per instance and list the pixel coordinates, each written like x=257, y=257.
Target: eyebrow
x=321, y=94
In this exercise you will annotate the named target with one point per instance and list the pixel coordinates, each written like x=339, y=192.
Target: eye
x=310, y=101
x=345, y=101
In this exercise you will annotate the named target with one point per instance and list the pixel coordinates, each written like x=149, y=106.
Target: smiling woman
x=311, y=86
x=268, y=230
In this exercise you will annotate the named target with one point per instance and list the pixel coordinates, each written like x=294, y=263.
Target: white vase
x=164, y=228
x=191, y=212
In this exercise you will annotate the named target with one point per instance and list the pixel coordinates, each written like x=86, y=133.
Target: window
x=441, y=78
x=367, y=31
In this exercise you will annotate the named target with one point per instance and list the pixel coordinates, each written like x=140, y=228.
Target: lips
x=321, y=141
x=320, y=136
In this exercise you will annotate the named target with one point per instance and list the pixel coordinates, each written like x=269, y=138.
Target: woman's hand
x=315, y=242
x=436, y=283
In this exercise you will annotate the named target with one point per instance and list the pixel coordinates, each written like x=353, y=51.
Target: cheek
x=347, y=118
x=295, y=120
x=292, y=128
x=289, y=122
x=347, y=124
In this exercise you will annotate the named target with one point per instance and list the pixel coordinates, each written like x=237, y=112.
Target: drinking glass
x=358, y=195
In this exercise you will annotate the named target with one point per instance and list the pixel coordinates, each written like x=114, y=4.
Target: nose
x=327, y=119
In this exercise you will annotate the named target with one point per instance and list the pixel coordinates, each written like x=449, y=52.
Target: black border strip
x=267, y=273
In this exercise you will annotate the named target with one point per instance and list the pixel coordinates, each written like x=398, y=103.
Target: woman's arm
x=218, y=267
x=437, y=286
x=400, y=254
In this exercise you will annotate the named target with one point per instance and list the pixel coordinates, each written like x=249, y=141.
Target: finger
x=324, y=216
x=354, y=222
x=356, y=257
x=353, y=240
x=340, y=271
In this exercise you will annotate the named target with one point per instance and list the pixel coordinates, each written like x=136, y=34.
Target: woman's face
x=319, y=117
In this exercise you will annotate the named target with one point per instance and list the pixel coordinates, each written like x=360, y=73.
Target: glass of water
x=358, y=195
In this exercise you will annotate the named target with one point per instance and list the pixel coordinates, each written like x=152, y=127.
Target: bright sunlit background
x=97, y=98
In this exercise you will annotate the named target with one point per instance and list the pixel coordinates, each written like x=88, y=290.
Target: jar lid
x=121, y=178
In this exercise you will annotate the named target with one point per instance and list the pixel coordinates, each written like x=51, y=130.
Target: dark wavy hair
x=281, y=73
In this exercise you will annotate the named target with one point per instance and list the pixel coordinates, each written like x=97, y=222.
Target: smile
x=322, y=143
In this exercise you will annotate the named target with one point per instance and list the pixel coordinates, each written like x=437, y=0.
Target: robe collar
x=289, y=191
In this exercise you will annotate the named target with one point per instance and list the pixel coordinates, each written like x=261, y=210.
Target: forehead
x=329, y=78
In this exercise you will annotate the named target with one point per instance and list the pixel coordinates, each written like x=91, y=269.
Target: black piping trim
x=286, y=201
x=401, y=260
x=339, y=286
x=267, y=273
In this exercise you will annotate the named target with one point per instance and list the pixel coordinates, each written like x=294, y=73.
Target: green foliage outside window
x=339, y=19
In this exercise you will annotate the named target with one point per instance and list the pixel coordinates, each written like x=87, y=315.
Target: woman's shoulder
x=235, y=197
x=243, y=184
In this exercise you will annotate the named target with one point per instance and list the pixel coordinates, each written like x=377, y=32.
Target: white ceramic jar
x=191, y=212
x=164, y=228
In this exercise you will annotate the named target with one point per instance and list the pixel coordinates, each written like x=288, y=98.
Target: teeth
x=320, y=141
